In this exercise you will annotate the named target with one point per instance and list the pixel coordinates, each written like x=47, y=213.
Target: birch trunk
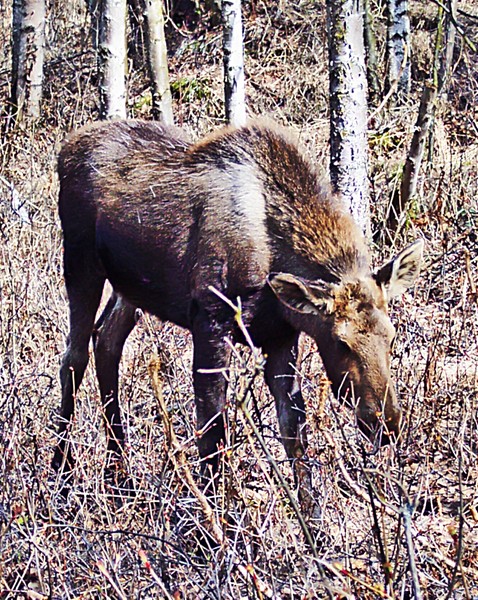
x=348, y=108
x=398, y=48
x=235, y=103
x=158, y=61
x=28, y=50
x=112, y=59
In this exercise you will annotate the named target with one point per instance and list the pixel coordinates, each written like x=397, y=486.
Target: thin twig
x=459, y=28
x=393, y=87
x=459, y=539
x=111, y=578
x=180, y=461
x=407, y=526
x=386, y=567
x=243, y=405
x=149, y=568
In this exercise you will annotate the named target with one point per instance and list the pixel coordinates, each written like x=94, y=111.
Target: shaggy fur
x=245, y=212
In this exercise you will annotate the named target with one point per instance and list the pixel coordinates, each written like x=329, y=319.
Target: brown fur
x=163, y=219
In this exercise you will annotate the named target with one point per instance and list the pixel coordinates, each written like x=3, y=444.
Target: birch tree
x=28, y=49
x=112, y=59
x=234, y=93
x=158, y=61
x=398, y=48
x=348, y=108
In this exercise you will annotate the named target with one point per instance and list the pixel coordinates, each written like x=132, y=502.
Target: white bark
x=158, y=61
x=235, y=102
x=28, y=56
x=112, y=59
x=348, y=109
x=398, y=47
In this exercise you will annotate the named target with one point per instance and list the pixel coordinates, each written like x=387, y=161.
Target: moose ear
x=301, y=295
x=401, y=272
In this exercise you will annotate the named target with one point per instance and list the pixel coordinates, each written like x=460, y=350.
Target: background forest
x=401, y=523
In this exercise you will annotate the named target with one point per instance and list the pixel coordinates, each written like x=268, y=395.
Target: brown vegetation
x=405, y=517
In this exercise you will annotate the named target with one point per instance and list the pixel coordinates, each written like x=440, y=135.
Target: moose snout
x=380, y=420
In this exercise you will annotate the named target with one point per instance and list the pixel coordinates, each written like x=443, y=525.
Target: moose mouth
x=379, y=433
x=381, y=426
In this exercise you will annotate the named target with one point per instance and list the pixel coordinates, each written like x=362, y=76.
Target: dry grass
x=380, y=512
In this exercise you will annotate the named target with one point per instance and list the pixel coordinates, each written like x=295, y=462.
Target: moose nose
x=380, y=424
x=389, y=431
x=392, y=418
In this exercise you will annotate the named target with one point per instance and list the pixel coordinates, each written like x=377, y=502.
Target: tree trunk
x=446, y=62
x=158, y=61
x=348, y=108
x=371, y=54
x=398, y=48
x=235, y=103
x=112, y=59
x=28, y=49
x=444, y=46
x=18, y=58
x=413, y=163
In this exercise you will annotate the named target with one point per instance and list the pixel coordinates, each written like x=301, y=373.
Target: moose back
x=242, y=211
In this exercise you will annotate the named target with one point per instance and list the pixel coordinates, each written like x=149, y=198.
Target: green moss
x=386, y=140
x=144, y=101
x=190, y=89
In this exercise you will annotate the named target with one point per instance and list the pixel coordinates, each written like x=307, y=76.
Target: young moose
x=245, y=212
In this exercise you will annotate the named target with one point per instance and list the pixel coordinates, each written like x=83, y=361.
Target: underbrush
x=391, y=522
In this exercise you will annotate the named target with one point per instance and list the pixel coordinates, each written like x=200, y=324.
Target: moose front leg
x=283, y=381
x=211, y=357
x=281, y=377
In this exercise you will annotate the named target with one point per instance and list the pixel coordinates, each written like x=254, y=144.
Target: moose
x=244, y=212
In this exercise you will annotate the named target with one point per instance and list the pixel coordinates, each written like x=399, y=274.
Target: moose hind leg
x=111, y=331
x=84, y=295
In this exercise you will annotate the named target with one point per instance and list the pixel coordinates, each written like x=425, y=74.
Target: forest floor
x=399, y=523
